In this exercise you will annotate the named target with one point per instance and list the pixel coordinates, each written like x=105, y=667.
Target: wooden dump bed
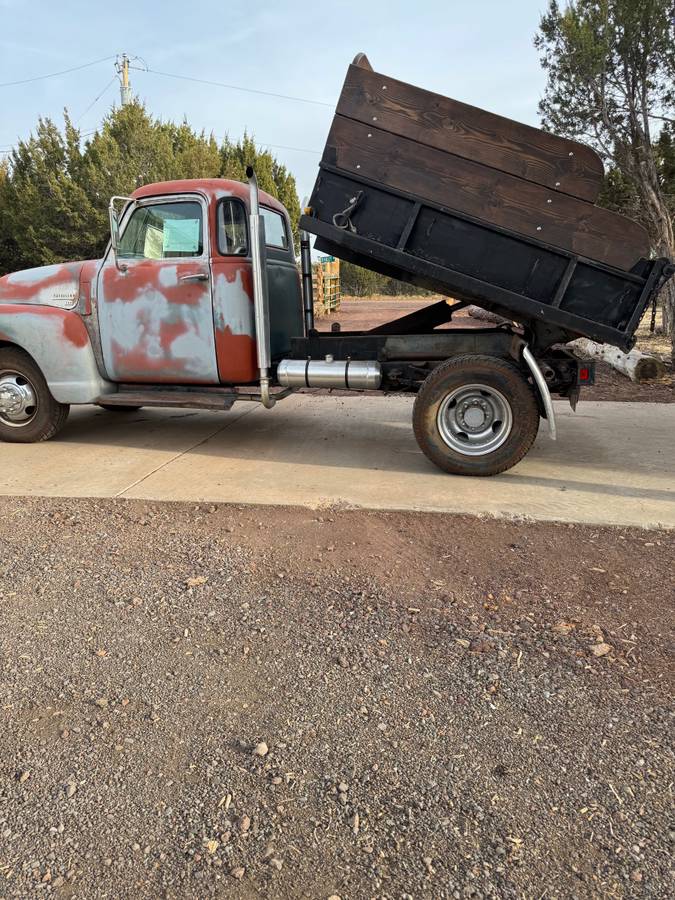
x=480, y=207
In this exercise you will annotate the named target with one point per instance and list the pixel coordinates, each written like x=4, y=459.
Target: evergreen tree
x=273, y=178
x=610, y=67
x=44, y=209
x=54, y=192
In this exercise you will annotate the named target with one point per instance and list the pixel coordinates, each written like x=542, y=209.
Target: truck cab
x=170, y=304
x=175, y=301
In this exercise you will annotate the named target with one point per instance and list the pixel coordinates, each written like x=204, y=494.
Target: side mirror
x=113, y=215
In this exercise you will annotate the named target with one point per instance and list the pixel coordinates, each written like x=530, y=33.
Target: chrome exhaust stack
x=260, y=295
x=307, y=284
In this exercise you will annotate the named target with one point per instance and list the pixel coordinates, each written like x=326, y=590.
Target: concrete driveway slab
x=612, y=464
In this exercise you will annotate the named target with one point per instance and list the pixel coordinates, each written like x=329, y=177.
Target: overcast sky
x=480, y=52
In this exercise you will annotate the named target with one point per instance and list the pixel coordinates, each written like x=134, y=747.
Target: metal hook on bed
x=343, y=219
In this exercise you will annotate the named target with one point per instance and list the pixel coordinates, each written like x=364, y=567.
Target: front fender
x=58, y=341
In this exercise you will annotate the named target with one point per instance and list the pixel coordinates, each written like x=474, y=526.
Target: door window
x=275, y=229
x=232, y=236
x=163, y=231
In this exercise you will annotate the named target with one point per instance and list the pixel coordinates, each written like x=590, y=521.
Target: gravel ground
x=202, y=701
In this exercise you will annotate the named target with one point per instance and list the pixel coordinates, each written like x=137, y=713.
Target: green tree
x=195, y=155
x=666, y=160
x=358, y=282
x=44, y=207
x=54, y=192
x=610, y=67
x=130, y=150
x=273, y=178
x=7, y=247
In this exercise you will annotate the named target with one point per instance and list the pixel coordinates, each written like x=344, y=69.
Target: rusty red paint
x=119, y=287
x=85, y=298
x=72, y=327
x=237, y=361
x=144, y=276
x=89, y=270
x=210, y=188
x=236, y=353
x=186, y=294
x=169, y=331
x=138, y=360
x=66, y=274
x=74, y=330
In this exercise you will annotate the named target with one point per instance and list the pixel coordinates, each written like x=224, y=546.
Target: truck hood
x=57, y=285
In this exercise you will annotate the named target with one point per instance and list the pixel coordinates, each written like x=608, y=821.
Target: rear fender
x=58, y=341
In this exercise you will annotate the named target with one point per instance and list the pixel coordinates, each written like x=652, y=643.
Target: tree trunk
x=484, y=315
x=663, y=238
x=634, y=365
x=667, y=298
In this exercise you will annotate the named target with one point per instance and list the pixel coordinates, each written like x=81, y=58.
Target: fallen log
x=635, y=365
x=483, y=315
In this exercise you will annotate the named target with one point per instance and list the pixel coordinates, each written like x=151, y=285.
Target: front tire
x=475, y=415
x=28, y=412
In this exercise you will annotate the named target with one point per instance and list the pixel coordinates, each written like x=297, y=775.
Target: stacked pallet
x=326, y=283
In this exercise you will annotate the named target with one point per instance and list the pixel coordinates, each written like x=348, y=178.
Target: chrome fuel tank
x=347, y=374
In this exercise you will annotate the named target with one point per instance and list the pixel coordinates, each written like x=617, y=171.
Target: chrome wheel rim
x=18, y=400
x=474, y=419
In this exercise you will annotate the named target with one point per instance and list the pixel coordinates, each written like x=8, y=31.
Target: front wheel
x=28, y=412
x=475, y=415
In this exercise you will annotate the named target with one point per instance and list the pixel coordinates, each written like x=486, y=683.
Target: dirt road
x=201, y=701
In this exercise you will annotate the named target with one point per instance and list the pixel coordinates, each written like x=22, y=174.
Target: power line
x=94, y=62
x=236, y=87
x=9, y=148
x=96, y=99
x=283, y=147
x=261, y=144
x=219, y=137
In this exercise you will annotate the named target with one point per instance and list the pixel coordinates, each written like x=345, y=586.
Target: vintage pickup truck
x=198, y=300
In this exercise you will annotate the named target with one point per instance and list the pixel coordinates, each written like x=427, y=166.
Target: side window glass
x=275, y=229
x=232, y=234
x=163, y=231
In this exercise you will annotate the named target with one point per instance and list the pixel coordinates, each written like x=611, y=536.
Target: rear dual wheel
x=475, y=415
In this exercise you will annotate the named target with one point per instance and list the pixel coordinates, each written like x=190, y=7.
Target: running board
x=180, y=399
x=206, y=398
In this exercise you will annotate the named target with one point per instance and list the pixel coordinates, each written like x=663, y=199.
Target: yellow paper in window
x=154, y=243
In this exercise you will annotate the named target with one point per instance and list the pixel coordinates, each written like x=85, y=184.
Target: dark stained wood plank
x=436, y=121
x=362, y=60
x=485, y=193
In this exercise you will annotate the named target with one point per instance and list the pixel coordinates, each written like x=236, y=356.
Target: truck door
x=155, y=305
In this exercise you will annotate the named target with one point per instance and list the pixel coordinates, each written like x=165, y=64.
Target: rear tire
x=28, y=412
x=475, y=415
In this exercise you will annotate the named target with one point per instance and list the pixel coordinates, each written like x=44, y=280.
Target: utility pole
x=122, y=66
